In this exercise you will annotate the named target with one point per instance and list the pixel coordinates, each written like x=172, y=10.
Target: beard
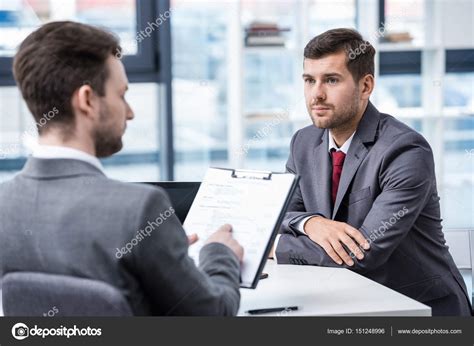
x=341, y=117
x=106, y=141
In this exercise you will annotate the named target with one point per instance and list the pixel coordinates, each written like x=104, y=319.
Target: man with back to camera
x=367, y=198
x=62, y=215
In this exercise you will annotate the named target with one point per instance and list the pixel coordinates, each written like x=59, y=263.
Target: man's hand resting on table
x=330, y=235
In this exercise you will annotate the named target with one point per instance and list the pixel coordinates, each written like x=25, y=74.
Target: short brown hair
x=360, y=54
x=57, y=59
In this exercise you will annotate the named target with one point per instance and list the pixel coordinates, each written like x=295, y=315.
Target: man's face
x=332, y=97
x=114, y=111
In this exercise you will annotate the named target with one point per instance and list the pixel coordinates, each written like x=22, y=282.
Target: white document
x=252, y=202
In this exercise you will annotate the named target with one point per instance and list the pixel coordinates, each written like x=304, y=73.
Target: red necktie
x=337, y=163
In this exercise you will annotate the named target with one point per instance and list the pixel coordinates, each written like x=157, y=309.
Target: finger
x=241, y=253
x=357, y=236
x=331, y=253
x=192, y=238
x=237, y=249
x=352, y=246
x=337, y=246
x=225, y=228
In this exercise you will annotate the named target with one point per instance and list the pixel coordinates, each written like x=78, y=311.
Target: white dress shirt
x=332, y=145
x=58, y=152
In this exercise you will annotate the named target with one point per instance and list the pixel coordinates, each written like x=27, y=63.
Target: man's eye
x=309, y=81
x=332, y=80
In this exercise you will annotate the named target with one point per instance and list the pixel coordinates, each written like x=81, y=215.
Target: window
x=267, y=86
x=458, y=150
x=199, y=37
x=406, y=20
x=19, y=18
x=145, y=150
x=326, y=14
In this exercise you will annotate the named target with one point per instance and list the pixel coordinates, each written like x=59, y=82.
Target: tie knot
x=337, y=158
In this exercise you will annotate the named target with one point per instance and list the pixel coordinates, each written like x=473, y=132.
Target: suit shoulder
x=394, y=132
x=309, y=132
x=8, y=187
x=137, y=193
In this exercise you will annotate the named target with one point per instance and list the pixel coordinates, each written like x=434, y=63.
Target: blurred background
x=218, y=83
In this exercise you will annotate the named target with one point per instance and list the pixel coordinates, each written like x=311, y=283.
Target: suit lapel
x=365, y=133
x=322, y=174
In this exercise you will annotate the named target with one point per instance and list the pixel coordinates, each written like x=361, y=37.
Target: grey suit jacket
x=64, y=216
x=387, y=191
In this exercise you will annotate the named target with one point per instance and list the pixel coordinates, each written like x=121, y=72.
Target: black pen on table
x=269, y=310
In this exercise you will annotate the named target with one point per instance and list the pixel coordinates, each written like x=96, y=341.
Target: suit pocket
x=358, y=195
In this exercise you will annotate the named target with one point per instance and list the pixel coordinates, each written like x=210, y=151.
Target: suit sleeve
x=407, y=180
x=169, y=277
x=296, y=211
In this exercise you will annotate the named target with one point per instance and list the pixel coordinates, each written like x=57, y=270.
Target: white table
x=322, y=291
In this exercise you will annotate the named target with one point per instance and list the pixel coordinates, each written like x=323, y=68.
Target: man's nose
x=318, y=92
x=130, y=113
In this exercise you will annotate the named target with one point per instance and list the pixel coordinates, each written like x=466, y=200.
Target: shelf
x=404, y=46
x=267, y=49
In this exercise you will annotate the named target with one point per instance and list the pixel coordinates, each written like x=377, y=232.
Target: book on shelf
x=397, y=37
x=260, y=34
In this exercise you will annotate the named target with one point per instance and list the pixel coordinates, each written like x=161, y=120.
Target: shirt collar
x=59, y=152
x=344, y=148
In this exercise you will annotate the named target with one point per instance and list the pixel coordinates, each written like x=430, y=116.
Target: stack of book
x=397, y=37
x=259, y=34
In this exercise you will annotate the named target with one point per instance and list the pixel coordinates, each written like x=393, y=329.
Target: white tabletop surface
x=323, y=291
x=320, y=291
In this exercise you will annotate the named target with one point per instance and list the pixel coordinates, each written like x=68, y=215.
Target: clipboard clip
x=246, y=174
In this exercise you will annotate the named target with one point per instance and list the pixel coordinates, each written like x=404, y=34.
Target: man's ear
x=366, y=85
x=85, y=101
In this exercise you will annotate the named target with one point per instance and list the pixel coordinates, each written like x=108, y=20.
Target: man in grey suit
x=62, y=215
x=367, y=197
